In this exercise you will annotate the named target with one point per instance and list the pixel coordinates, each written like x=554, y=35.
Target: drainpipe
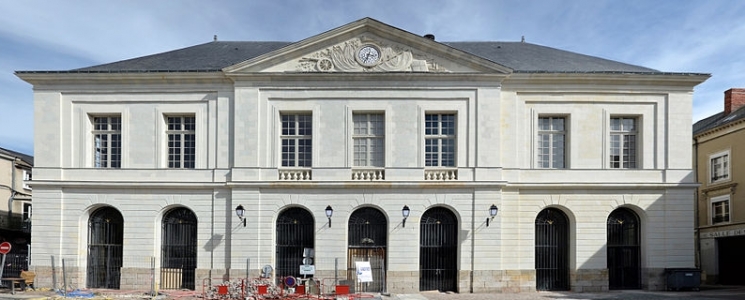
x=696, y=207
x=12, y=190
x=473, y=241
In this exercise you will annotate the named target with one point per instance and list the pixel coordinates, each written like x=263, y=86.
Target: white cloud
x=679, y=36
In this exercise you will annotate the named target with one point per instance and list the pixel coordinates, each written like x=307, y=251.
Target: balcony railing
x=368, y=174
x=441, y=174
x=295, y=174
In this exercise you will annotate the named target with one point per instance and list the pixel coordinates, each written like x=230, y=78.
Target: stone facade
x=718, y=144
x=241, y=160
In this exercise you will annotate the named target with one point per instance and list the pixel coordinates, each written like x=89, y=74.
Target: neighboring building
x=718, y=147
x=585, y=159
x=15, y=193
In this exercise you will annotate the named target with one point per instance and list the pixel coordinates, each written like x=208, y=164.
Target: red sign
x=5, y=248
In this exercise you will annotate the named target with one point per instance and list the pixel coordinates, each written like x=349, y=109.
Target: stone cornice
x=41, y=79
x=641, y=81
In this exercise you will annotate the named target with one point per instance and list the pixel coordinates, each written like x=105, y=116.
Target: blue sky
x=668, y=35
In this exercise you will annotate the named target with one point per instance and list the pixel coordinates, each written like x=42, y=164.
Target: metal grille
x=551, y=250
x=294, y=234
x=14, y=264
x=624, y=263
x=368, y=235
x=438, y=251
x=179, y=250
x=105, y=236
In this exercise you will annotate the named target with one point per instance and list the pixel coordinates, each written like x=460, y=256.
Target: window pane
x=623, y=140
x=181, y=141
x=296, y=141
x=440, y=140
x=106, y=141
x=550, y=142
x=369, y=130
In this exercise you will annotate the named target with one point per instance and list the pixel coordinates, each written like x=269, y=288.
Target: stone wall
x=654, y=279
x=403, y=282
x=589, y=280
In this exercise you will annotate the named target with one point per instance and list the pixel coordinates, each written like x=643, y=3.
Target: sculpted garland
x=357, y=56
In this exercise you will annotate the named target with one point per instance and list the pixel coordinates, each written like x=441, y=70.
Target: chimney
x=733, y=99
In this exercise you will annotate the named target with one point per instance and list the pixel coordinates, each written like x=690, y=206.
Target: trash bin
x=683, y=278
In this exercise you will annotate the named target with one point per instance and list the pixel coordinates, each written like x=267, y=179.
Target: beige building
x=453, y=166
x=15, y=194
x=718, y=148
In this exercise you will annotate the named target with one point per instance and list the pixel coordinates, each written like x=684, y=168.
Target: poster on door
x=364, y=272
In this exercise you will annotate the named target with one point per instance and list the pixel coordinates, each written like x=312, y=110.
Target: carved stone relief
x=393, y=58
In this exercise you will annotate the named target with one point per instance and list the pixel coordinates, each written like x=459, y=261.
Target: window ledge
x=719, y=186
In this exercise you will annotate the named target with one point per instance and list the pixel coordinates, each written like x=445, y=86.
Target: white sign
x=307, y=269
x=723, y=233
x=364, y=272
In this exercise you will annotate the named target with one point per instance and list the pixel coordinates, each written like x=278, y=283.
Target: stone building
x=718, y=144
x=452, y=166
x=15, y=194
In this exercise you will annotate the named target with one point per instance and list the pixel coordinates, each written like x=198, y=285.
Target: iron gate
x=367, y=238
x=105, y=238
x=179, y=250
x=624, y=262
x=551, y=250
x=438, y=251
x=294, y=234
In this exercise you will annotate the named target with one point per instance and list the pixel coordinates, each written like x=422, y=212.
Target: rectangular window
x=439, y=140
x=26, y=179
x=720, y=209
x=623, y=143
x=26, y=212
x=551, y=142
x=181, y=134
x=107, y=142
x=297, y=138
x=369, y=140
x=719, y=166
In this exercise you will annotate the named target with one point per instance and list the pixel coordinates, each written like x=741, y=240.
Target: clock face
x=368, y=55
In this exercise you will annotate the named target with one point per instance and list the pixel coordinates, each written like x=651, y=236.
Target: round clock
x=368, y=55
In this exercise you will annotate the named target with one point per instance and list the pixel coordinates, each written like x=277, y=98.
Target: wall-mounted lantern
x=241, y=213
x=405, y=212
x=492, y=213
x=329, y=213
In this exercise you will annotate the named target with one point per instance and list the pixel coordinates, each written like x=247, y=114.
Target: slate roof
x=532, y=58
x=719, y=119
x=214, y=56
x=27, y=158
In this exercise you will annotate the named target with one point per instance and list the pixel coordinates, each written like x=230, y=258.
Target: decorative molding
x=720, y=189
x=342, y=58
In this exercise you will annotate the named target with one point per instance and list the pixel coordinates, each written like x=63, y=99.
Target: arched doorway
x=105, y=239
x=178, y=260
x=295, y=233
x=367, y=240
x=438, y=250
x=624, y=253
x=552, y=250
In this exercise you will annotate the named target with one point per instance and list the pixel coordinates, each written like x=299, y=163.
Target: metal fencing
x=14, y=264
x=149, y=274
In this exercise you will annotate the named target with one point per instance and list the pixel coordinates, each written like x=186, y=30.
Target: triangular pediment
x=368, y=46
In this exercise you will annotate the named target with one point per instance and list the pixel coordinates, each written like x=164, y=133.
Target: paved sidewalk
x=706, y=293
